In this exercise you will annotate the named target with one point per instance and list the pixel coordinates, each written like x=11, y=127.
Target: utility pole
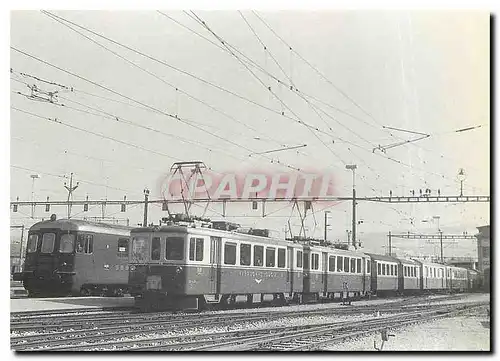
x=33, y=177
x=441, y=244
x=146, y=197
x=461, y=177
x=390, y=244
x=70, y=190
x=21, y=249
x=326, y=223
x=353, y=168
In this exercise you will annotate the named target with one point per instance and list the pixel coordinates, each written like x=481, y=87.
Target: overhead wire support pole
x=70, y=190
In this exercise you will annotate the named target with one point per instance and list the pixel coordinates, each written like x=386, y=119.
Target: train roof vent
x=259, y=232
x=225, y=226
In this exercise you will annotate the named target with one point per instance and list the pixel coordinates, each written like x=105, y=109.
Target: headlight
x=132, y=267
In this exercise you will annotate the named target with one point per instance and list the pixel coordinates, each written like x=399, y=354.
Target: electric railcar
x=192, y=266
x=74, y=257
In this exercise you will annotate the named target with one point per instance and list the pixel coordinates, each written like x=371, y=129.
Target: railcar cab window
x=299, y=259
x=315, y=261
x=281, y=258
x=340, y=263
x=331, y=263
x=48, y=241
x=155, y=249
x=395, y=270
x=258, y=256
x=358, y=265
x=139, y=249
x=32, y=243
x=230, y=253
x=270, y=256
x=368, y=266
x=353, y=265
x=383, y=270
x=66, y=245
x=174, y=250
x=196, y=249
x=245, y=254
x=122, y=248
x=379, y=269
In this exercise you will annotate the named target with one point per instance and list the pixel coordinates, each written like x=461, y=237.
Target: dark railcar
x=74, y=257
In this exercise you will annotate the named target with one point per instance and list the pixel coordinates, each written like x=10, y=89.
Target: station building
x=484, y=253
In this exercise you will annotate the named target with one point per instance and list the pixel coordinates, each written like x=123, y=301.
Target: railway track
x=314, y=339
x=59, y=323
x=150, y=334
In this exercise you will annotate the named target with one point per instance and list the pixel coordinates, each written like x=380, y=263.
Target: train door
x=401, y=277
x=306, y=267
x=324, y=274
x=215, y=264
x=289, y=271
x=375, y=267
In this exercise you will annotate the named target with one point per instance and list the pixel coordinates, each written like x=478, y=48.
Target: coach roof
x=379, y=257
x=83, y=226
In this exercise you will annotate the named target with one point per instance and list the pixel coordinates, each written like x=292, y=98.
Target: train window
x=299, y=259
x=281, y=257
x=368, y=266
x=379, y=268
x=229, y=253
x=358, y=265
x=139, y=249
x=122, y=248
x=331, y=263
x=174, y=248
x=66, y=245
x=340, y=264
x=155, y=249
x=412, y=271
x=405, y=271
x=306, y=260
x=89, y=243
x=196, y=249
x=395, y=270
x=32, y=243
x=48, y=241
x=258, y=255
x=383, y=270
x=391, y=270
x=270, y=257
x=353, y=265
x=245, y=254
x=387, y=270
x=346, y=264
x=315, y=261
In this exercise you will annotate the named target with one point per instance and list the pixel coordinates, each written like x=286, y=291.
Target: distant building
x=484, y=253
x=464, y=262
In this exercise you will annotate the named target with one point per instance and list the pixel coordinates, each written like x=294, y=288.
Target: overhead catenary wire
x=148, y=106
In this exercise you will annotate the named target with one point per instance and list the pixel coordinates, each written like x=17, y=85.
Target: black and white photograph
x=249, y=179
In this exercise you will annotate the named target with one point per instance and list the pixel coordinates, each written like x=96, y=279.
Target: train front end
x=49, y=262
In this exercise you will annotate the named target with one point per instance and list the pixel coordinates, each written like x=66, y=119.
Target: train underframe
x=150, y=301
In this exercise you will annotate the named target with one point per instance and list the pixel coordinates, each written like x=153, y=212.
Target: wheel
x=85, y=292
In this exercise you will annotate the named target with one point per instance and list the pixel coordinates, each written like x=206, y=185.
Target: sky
x=423, y=71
